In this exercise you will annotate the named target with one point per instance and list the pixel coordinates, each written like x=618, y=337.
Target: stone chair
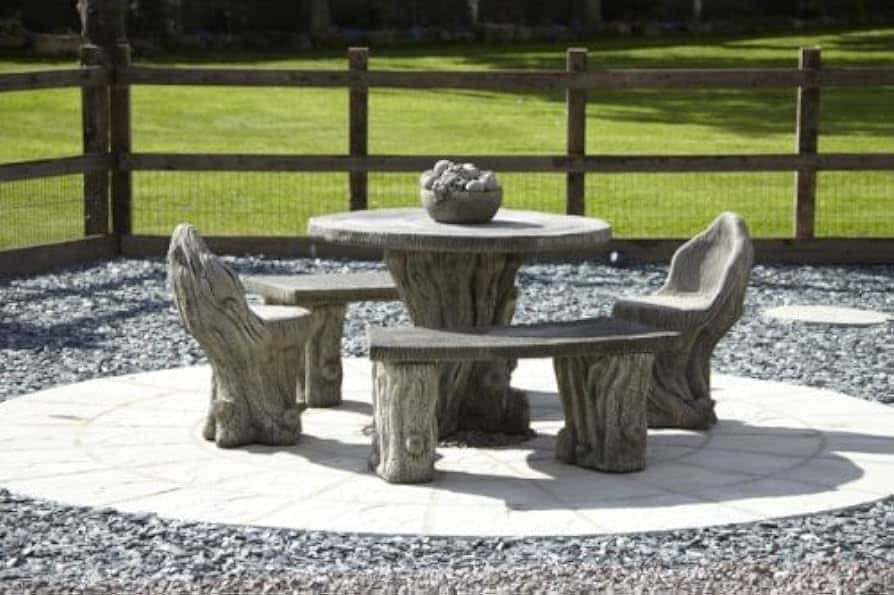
x=701, y=299
x=252, y=349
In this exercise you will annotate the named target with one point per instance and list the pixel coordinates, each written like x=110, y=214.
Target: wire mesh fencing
x=856, y=120
x=530, y=191
x=638, y=205
x=679, y=205
x=40, y=124
x=41, y=211
x=855, y=204
x=235, y=203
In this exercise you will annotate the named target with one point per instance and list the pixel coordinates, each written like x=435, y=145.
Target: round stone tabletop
x=510, y=231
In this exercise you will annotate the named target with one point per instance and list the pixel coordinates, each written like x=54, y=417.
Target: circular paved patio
x=133, y=443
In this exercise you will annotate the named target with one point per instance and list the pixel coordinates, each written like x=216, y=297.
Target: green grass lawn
x=212, y=119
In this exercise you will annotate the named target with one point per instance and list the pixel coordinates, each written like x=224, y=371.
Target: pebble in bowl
x=460, y=193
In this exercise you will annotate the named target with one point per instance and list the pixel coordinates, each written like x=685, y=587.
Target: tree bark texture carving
x=254, y=377
x=323, y=357
x=405, y=426
x=701, y=299
x=319, y=367
x=604, y=400
x=464, y=290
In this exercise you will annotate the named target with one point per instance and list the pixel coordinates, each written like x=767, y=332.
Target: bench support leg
x=405, y=435
x=323, y=375
x=318, y=366
x=604, y=399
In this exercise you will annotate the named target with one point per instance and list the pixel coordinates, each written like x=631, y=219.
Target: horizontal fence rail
x=825, y=251
x=507, y=163
x=60, y=166
x=608, y=80
x=94, y=76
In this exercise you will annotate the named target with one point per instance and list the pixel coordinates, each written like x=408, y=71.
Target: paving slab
x=831, y=315
x=134, y=443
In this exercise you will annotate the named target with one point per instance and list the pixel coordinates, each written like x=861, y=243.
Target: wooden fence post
x=576, y=133
x=95, y=135
x=806, y=141
x=122, y=180
x=358, y=61
x=106, y=114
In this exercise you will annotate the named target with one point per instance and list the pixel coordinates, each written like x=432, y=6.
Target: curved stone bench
x=603, y=367
x=326, y=296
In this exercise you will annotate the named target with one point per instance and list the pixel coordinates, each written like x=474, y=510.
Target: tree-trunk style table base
x=464, y=290
x=604, y=398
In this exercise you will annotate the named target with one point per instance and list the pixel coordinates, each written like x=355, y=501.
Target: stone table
x=459, y=276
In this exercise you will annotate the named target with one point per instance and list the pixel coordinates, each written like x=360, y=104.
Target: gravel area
x=116, y=317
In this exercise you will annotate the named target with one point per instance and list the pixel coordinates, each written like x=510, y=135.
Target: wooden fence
x=108, y=162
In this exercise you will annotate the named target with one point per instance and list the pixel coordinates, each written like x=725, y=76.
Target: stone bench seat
x=331, y=288
x=326, y=296
x=283, y=320
x=603, y=369
x=555, y=339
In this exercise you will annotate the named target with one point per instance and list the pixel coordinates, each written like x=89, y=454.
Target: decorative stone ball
x=460, y=193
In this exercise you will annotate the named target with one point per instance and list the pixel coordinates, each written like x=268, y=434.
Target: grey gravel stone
x=116, y=317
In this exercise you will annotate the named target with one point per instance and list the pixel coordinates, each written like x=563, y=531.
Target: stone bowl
x=463, y=206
